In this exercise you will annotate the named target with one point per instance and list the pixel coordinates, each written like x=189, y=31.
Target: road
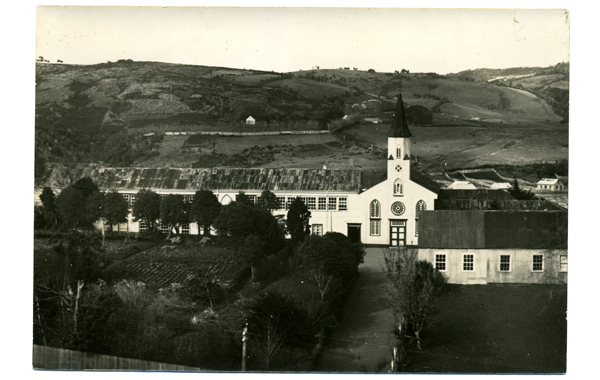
x=362, y=342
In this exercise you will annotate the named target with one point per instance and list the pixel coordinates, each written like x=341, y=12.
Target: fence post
x=244, y=339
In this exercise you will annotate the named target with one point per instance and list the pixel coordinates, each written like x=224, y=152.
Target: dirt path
x=362, y=342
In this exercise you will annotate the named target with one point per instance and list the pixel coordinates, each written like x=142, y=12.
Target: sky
x=291, y=39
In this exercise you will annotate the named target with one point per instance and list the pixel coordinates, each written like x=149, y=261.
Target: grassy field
x=495, y=329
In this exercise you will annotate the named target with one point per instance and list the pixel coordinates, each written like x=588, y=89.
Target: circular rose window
x=398, y=208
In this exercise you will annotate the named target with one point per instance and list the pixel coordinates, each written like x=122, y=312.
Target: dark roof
x=493, y=229
x=399, y=124
x=423, y=180
x=59, y=176
x=371, y=178
x=474, y=194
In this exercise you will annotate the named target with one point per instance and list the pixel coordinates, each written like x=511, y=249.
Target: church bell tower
x=398, y=155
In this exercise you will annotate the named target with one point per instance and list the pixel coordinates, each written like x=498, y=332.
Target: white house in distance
x=500, y=186
x=376, y=207
x=551, y=184
x=461, y=185
x=250, y=121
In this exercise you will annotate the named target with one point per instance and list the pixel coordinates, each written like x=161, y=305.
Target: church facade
x=374, y=207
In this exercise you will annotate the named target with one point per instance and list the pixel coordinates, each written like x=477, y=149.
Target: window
x=132, y=199
x=343, y=206
x=421, y=206
x=398, y=187
x=191, y=198
x=322, y=203
x=289, y=202
x=317, y=229
x=504, y=263
x=123, y=227
x=375, y=209
x=185, y=229
x=538, y=263
x=416, y=226
x=440, y=262
x=332, y=204
x=280, y=203
x=164, y=228
x=468, y=263
x=563, y=263
x=399, y=151
x=252, y=199
x=143, y=226
x=375, y=229
x=311, y=203
x=127, y=198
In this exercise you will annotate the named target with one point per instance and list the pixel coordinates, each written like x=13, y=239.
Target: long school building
x=378, y=207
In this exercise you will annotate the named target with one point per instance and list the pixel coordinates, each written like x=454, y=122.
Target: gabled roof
x=424, y=181
x=399, y=124
x=464, y=185
x=454, y=229
x=548, y=181
x=210, y=179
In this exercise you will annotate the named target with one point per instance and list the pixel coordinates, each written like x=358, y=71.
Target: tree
x=240, y=221
x=86, y=185
x=252, y=251
x=173, y=212
x=70, y=204
x=415, y=286
x=371, y=71
x=241, y=197
x=95, y=207
x=518, y=193
x=204, y=209
x=116, y=209
x=146, y=208
x=268, y=200
x=49, y=206
x=298, y=217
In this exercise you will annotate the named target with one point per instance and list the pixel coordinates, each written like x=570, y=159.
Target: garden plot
x=160, y=267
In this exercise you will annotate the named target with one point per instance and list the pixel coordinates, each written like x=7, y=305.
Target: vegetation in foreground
x=187, y=300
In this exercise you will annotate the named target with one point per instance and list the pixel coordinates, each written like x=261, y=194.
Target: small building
x=346, y=117
x=481, y=247
x=500, y=186
x=461, y=185
x=374, y=120
x=250, y=120
x=551, y=184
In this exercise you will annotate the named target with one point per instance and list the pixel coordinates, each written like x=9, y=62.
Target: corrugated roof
x=371, y=178
x=455, y=229
x=548, y=181
x=211, y=179
x=496, y=204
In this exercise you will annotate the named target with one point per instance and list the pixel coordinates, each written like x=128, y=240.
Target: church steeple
x=399, y=124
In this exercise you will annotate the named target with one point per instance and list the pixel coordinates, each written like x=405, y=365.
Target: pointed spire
x=399, y=124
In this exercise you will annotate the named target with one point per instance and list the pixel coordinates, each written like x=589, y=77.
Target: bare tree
x=415, y=285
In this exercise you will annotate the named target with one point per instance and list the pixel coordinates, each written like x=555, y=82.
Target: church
x=374, y=207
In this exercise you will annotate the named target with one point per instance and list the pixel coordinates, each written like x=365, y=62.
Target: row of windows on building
x=468, y=262
x=283, y=203
x=375, y=217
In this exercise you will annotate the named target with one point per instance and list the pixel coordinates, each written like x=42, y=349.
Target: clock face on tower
x=398, y=208
x=398, y=168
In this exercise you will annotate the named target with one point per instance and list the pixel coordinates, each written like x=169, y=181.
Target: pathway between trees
x=362, y=342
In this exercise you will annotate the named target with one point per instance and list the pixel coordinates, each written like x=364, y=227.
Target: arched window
x=421, y=206
x=399, y=151
x=375, y=209
x=398, y=187
x=375, y=221
x=226, y=200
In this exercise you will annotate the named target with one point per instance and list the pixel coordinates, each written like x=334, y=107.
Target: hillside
x=100, y=113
